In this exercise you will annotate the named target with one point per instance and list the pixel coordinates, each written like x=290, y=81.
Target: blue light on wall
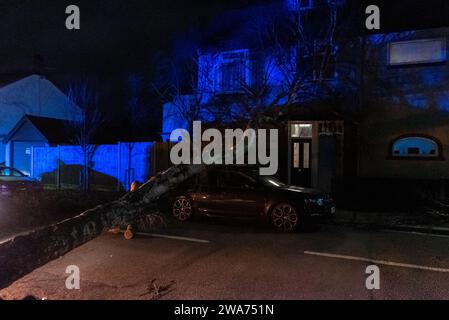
x=442, y=100
x=418, y=101
x=111, y=164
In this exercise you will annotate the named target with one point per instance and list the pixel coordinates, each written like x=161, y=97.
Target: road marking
x=417, y=233
x=164, y=236
x=381, y=262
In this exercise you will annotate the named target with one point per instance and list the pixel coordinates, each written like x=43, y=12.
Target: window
x=233, y=71
x=303, y=130
x=417, y=52
x=231, y=76
x=208, y=179
x=416, y=147
x=320, y=62
x=236, y=180
x=9, y=172
x=300, y=4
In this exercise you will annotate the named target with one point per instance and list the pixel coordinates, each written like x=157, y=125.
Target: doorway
x=301, y=162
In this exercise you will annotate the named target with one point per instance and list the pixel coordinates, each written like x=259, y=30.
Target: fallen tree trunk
x=24, y=253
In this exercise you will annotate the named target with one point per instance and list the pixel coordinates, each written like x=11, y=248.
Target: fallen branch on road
x=22, y=254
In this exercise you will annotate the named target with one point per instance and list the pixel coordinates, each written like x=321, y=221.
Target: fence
x=113, y=167
x=161, y=156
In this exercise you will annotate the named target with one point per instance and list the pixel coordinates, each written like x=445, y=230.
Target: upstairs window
x=296, y=5
x=417, y=52
x=413, y=147
x=233, y=71
x=320, y=63
x=306, y=5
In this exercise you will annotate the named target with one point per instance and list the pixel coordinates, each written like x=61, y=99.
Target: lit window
x=417, y=52
x=415, y=147
x=302, y=130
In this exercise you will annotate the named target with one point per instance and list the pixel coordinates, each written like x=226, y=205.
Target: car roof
x=233, y=167
x=249, y=170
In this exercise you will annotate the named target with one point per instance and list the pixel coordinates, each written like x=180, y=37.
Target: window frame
x=243, y=59
x=438, y=157
x=421, y=62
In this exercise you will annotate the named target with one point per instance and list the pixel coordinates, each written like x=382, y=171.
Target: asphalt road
x=244, y=262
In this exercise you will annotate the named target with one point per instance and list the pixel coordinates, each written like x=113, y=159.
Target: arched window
x=412, y=147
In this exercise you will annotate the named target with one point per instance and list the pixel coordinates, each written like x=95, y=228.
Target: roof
x=54, y=130
x=33, y=95
x=57, y=131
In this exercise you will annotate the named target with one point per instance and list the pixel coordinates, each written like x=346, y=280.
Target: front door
x=301, y=162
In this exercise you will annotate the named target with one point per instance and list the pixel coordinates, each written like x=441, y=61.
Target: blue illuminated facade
x=376, y=89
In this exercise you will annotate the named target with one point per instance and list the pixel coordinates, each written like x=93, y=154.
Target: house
x=31, y=132
x=355, y=111
x=33, y=96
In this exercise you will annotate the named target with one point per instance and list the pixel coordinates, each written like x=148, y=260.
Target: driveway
x=224, y=260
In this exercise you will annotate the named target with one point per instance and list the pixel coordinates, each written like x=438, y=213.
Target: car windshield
x=9, y=172
x=266, y=180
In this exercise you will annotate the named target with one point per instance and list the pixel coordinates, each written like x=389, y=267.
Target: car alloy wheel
x=182, y=208
x=284, y=217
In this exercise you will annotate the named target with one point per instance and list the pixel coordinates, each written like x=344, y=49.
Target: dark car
x=241, y=193
x=13, y=182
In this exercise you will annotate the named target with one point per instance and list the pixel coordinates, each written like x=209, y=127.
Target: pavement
x=239, y=260
x=417, y=222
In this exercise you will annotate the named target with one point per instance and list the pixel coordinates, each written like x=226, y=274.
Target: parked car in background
x=240, y=192
x=13, y=182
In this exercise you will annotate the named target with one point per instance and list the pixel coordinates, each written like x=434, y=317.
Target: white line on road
x=155, y=235
x=381, y=262
x=418, y=233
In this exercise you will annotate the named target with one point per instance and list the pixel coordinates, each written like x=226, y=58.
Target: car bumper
x=323, y=211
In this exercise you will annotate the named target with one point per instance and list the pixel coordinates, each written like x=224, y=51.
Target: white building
x=35, y=96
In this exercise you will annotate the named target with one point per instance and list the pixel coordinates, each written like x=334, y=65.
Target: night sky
x=122, y=37
x=114, y=35
x=116, y=38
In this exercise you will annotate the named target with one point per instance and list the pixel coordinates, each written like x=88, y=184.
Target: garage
x=31, y=132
